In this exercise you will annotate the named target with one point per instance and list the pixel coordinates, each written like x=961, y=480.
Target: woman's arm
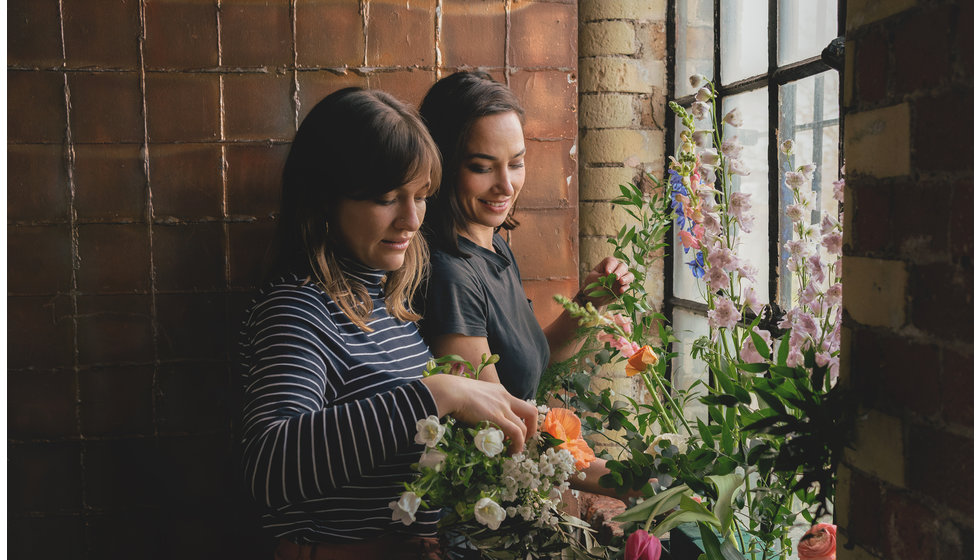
x=470, y=348
x=561, y=332
x=591, y=483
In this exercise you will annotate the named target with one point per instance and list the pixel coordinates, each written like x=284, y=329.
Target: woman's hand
x=471, y=402
x=608, y=265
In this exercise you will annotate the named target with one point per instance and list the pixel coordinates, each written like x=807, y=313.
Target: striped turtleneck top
x=330, y=411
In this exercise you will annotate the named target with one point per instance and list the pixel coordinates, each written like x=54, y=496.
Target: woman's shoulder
x=289, y=294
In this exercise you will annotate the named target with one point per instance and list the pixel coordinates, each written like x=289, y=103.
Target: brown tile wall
x=145, y=143
x=915, y=368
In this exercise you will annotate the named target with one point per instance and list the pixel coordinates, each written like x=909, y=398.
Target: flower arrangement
x=764, y=453
x=504, y=506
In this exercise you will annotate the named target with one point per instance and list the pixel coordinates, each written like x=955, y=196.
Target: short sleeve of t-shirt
x=455, y=301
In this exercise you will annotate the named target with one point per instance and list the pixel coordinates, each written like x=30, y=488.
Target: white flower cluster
x=533, y=482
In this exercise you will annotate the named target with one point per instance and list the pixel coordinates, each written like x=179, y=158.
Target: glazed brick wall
x=909, y=211
x=145, y=143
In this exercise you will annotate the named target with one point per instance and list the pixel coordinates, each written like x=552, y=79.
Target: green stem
x=665, y=422
x=672, y=402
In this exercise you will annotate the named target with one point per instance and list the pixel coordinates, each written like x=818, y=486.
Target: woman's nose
x=505, y=182
x=411, y=215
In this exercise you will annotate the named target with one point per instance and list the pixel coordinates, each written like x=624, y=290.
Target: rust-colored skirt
x=387, y=547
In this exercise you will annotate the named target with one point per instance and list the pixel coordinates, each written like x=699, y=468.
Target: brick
x=106, y=107
x=591, y=10
x=912, y=528
x=545, y=244
x=37, y=182
x=44, y=337
x=110, y=182
x=551, y=177
x=113, y=535
x=625, y=75
x=936, y=149
x=113, y=258
x=877, y=141
x=652, y=37
x=549, y=99
x=123, y=473
x=591, y=250
x=869, y=224
x=864, y=500
x=186, y=180
x=602, y=183
x=961, y=220
x=401, y=35
x=39, y=260
x=847, y=85
x=620, y=145
x=602, y=218
x=938, y=300
x=181, y=34
x=889, y=367
x=607, y=110
x=189, y=257
x=924, y=64
x=962, y=38
x=872, y=67
x=855, y=553
x=941, y=467
x=182, y=107
x=30, y=537
x=259, y=107
x=863, y=12
x=408, y=86
x=254, y=178
x=957, y=387
x=33, y=33
x=35, y=106
x=249, y=244
x=324, y=36
x=314, y=86
x=194, y=398
x=876, y=291
x=191, y=327
x=543, y=35
x=473, y=33
x=44, y=477
x=116, y=401
x=199, y=468
x=879, y=447
x=41, y=404
x=607, y=38
x=542, y=292
x=917, y=239
x=104, y=37
x=256, y=34
x=114, y=329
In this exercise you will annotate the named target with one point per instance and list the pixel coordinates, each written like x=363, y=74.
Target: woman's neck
x=481, y=235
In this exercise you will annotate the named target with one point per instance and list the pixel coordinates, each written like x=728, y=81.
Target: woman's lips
x=397, y=244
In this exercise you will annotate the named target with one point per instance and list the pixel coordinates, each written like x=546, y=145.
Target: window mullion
x=775, y=211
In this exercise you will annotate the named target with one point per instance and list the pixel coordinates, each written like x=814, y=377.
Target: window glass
x=685, y=284
x=687, y=371
x=809, y=115
x=744, y=36
x=805, y=28
x=753, y=246
x=694, y=44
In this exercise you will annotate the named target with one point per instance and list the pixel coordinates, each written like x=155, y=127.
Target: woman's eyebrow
x=492, y=158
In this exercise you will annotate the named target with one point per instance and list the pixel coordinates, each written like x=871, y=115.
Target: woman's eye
x=517, y=164
x=385, y=201
x=478, y=169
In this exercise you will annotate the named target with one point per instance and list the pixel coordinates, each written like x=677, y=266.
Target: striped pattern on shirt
x=330, y=412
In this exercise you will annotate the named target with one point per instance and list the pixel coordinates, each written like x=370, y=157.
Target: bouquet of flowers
x=507, y=507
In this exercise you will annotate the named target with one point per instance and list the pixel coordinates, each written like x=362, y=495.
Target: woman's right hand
x=472, y=401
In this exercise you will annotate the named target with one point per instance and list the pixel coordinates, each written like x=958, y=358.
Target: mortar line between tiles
x=507, y=7
x=295, y=71
x=438, y=39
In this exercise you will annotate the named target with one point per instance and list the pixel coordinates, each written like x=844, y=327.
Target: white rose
x=490, y=441
x=489, y=513
x=429, y=431
x=404, y=509
x=432, y=459
x=675, y=439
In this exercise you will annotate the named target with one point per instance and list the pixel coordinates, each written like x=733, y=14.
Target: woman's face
x=377, y=232
x=491, y=170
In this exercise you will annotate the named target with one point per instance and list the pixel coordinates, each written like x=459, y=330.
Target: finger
x=528, y=414
x=514, y=431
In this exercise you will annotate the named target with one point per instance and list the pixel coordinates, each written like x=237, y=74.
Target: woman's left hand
x=608, y=265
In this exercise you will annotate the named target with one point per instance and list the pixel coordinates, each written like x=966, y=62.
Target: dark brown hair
x=449, y=109
x=355, y=144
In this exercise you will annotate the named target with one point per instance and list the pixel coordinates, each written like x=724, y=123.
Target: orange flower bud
x=640, y=360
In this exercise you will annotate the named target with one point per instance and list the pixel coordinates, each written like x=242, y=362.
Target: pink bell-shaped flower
x=643, y=546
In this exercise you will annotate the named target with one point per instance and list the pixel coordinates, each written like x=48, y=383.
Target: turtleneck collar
x=371, y=278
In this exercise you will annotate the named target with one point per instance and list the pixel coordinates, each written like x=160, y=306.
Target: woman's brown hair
x=355, y=144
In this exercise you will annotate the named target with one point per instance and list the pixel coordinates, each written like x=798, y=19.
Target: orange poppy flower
x=563, y=424
x=640, y=360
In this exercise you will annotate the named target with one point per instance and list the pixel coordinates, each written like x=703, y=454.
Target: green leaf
x=783, y=350
x=726, y=485
x=682, y=516
x=705, y=434
x=712, y=548
x=760, y=345
x=657, y=505
x=752, y=368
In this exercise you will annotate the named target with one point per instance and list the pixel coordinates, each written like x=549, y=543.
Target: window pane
x=744, y=39
x=694, y=43
x=686, y=371
x=809, y=114
x=686, y=286
x=753, y=246
x=805, y=28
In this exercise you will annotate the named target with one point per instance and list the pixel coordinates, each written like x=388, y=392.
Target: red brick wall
x=906, y=490
x=145, y=140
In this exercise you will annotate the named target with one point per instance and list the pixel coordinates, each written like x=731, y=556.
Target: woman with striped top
x=333, y=360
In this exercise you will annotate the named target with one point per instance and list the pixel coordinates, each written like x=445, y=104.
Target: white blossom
x=703, y=94
x=709, y=156
x=696, y=80
x=734, y=117
x=795, y=179
x=731, y=147
x=489, y=513
x=700, y=110
x=490, y=441
x=432, y=459
x=787, y=146
x=429, y=431
x=738, y=167
x=404, y=509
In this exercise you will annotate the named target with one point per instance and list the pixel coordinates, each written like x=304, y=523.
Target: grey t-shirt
x=483, y=296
